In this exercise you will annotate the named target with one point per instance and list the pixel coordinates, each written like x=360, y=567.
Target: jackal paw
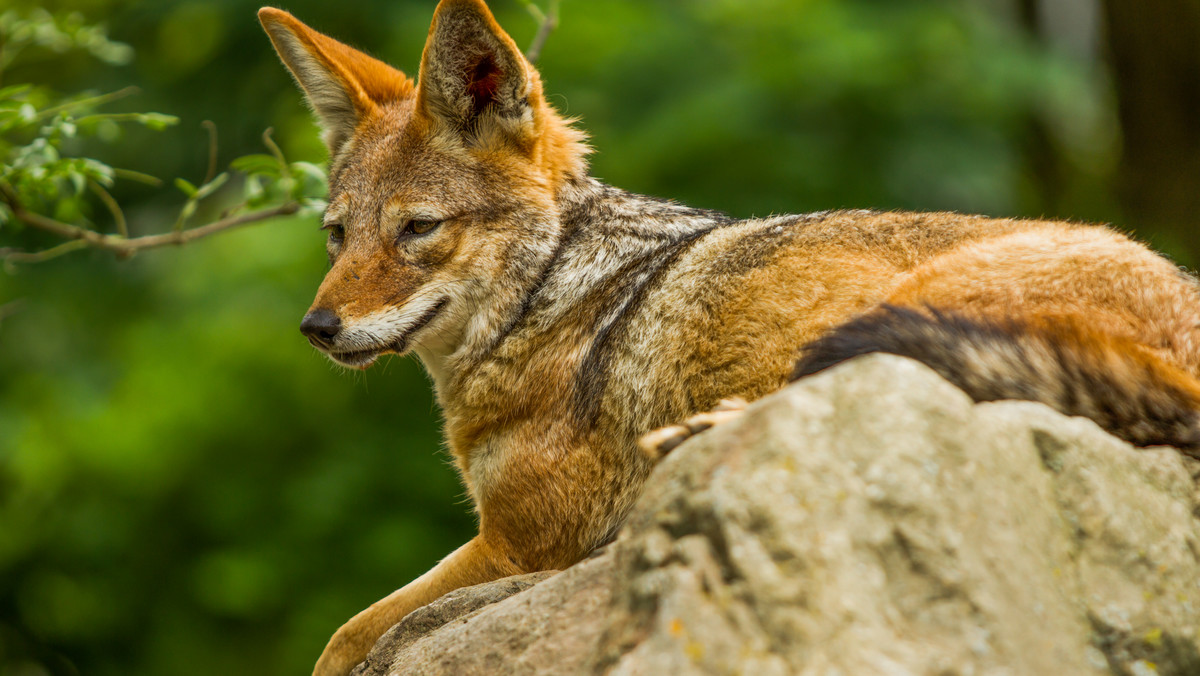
x=658, y=443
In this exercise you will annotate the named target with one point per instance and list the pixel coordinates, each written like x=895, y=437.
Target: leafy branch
x=81, y=238
x=42, y=188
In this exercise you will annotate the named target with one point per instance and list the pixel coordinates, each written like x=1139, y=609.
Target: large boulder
x=869, y=520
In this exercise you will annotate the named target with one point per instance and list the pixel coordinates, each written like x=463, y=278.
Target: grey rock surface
x=868, y=520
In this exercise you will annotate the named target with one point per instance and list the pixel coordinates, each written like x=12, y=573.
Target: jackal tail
x=1122, y=386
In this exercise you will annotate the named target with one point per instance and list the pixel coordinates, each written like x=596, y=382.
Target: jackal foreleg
x=474, y=563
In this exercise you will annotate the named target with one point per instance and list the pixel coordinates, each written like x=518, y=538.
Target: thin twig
x=93, y=101
x=42, y=256
x=284, y=169
x=548, y=21
x=131, y=175
x=212, y=151
x=126, y=246
x=113, y=208
x=193, y=234
x=533, y=9
x=112, y=117
x=231, y=210
x=185, y=212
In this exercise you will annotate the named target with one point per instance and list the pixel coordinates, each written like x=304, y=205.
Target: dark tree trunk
x=1045, y=167
x=1154, y=47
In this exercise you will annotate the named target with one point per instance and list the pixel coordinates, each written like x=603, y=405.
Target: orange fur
x=562, y=319
x=371, y=81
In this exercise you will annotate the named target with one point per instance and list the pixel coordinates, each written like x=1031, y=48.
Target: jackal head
x=442, y=210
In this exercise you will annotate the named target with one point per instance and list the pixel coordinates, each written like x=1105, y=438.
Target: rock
x=444, y=617
x=868, y=520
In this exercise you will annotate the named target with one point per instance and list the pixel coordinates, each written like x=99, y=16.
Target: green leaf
x=137, y=176
x=256, y=164
x=310, y=170
x=253, y=191
x=15, y=92
x=157, y=121
x=99, y=172
x=69, y=210
x=187, y=188
x=212, y=186
x=311, y=205
x=115, y=53
x=189, y=210
x=107, y=131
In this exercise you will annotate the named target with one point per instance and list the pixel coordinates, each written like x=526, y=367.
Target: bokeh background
x=187, y=488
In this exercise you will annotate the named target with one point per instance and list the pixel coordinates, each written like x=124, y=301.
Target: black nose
x=321, y=326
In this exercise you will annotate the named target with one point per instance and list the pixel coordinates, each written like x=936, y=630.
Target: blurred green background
x=187, y=488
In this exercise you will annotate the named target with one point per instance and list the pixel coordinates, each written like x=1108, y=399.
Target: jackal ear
x=473, y=77
x=342, y=84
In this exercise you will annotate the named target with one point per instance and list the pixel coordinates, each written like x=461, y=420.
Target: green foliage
x=35, y=123
x=56, y=34
x=917, y=105
x=271, y=178
x=41, y=134
x=33, y=129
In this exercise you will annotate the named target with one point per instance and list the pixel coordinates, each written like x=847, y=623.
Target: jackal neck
x=608, y=245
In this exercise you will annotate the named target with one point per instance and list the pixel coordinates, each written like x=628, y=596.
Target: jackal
x=562, y=319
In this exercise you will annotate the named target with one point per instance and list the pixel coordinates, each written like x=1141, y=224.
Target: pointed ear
x=473, y=77
x=341, y=83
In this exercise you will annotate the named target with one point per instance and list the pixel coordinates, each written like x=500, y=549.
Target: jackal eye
x=419, y=227
x=337, y=233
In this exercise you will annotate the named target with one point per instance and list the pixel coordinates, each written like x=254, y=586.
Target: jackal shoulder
x=649, y=310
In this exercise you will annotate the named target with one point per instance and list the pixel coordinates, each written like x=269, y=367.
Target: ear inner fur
x=484, y=83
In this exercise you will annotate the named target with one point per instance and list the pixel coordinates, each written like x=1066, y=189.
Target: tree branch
x=120, y=244
x=548, y=21
x=113, y=207
x=92, y=102
x=12, y=256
